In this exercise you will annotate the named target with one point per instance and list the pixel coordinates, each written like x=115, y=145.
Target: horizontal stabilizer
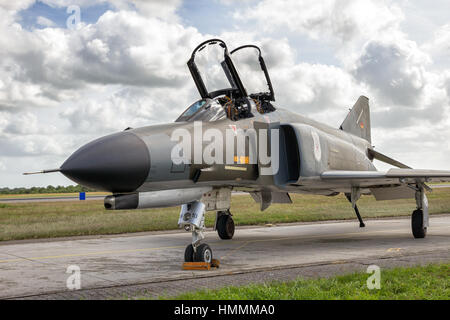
x=383, y=158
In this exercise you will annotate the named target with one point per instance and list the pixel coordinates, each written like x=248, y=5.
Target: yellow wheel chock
x=201, y=265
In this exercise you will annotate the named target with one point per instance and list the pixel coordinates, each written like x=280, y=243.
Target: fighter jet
x=233, y=139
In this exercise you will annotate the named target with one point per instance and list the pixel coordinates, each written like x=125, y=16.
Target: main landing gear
x=224, y=224
x=192, y=218
x=419, y=218
x=352, y=198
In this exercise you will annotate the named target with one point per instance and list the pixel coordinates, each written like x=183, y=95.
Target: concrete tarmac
x=29, y=268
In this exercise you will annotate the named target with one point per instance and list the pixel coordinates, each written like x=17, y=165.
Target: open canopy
x=252, y=69
x=207, y=76
x=220, y=86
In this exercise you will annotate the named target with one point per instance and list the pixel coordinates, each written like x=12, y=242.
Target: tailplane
x=357, y=121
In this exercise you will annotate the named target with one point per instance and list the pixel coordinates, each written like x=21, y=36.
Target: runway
x=114, y=265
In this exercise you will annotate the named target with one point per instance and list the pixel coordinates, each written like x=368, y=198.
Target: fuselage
x=141, y=159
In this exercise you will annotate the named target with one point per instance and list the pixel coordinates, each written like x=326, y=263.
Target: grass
x=431, y=282
x=74, y=218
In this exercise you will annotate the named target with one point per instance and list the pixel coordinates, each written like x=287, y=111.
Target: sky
x=65, y=82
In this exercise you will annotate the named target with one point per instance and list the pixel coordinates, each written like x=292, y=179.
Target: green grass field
x=430, y=282
x=73, y=218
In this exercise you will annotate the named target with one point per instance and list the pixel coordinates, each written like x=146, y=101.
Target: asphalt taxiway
x=124, y=266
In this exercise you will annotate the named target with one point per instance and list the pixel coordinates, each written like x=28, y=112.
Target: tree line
x=47, y=189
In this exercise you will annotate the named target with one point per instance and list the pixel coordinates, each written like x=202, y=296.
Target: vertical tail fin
x=357, y=121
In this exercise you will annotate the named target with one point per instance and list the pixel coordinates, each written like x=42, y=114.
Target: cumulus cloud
x=311, y=89
x=98, y=79
x=24, y=123
x=120, y=48
x=331, y=20
x=406, y=89
x=375, y=56
x=439, y=46
x=123, y=48
x=126, y=107
x=395, y=69
x=14, y=6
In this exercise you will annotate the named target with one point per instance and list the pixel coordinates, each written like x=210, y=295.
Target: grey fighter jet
x=281, y=152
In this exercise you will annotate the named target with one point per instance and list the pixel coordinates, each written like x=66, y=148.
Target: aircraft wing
x=386, y=185
x=392, y=176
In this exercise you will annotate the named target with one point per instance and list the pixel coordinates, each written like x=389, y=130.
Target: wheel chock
x=215, y=263
x=201, y=265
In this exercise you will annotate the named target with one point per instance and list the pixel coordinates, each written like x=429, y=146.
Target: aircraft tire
x=203, y=253
x=225, y=227
x=189, y=254
x=418, y=230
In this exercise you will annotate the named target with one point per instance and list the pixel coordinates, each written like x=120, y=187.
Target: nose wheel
x=202, y=253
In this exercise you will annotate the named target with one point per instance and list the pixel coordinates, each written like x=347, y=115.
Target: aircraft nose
x=118, y=163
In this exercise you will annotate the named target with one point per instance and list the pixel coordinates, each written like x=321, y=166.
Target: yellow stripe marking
x=235, y=249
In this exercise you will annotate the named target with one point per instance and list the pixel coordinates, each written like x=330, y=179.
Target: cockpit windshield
x=203, y=110
x=193, y=108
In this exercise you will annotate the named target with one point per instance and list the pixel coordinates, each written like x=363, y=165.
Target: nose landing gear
x=192, y=218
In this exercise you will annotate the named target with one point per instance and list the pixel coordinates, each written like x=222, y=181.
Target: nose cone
x=118, y=163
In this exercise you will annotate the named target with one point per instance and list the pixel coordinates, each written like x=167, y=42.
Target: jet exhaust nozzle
x=154, y=199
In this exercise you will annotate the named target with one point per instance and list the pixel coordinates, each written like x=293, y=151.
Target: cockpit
x=203, y=110
x=220, y=86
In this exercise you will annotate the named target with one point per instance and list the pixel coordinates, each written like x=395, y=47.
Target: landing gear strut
x=224, y=224
x=352, y=198
x=361, y=222
x=192, y=218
